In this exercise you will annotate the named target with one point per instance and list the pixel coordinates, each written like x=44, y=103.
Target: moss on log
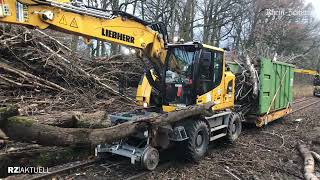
x=6, y=112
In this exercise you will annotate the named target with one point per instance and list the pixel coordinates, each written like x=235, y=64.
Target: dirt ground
x=265, y=153
x=260, y=153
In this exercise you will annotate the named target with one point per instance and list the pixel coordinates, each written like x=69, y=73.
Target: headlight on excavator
x=4, y=9
x=145, y=104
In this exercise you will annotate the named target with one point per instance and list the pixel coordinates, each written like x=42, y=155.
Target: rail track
x=304, y=99
x=304, y=103
x=121, y=168
x=65, y=168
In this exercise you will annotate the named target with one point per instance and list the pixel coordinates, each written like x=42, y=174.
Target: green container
x=276, y=84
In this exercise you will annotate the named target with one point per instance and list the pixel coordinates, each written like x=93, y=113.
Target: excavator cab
x=180, y=75
x=194, y=73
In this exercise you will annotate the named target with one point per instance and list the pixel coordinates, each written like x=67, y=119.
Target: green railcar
x=276, y=86
x=275, y=91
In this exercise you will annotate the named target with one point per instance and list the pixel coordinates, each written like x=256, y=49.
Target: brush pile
x=37, y=70
x=247, y=81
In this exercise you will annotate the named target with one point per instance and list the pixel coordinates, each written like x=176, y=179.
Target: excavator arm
x=75, y=18
x=306, y=71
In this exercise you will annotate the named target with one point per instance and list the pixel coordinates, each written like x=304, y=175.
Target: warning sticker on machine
x=22, y=12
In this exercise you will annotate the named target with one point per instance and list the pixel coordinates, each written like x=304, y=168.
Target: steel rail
x=302, y=100
x=63, y=170
x=306, y=106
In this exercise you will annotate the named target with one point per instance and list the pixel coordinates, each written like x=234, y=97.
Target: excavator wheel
x=196, y=146
x=150, y=158
x=234, y=127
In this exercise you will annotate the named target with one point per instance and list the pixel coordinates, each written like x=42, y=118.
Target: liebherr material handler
x=316, y=80
x=183, y=75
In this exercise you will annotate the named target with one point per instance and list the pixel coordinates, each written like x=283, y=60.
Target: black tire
x=196, y=146
x=234, y=127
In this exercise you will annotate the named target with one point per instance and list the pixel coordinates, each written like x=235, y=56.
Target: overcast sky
x=316, y=4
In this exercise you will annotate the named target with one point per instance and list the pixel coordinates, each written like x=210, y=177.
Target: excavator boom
x=75, y=18
x=305, y=71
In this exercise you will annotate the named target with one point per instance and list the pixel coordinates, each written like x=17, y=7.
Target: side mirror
x=226, y=48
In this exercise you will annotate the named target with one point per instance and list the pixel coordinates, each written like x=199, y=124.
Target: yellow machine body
x=222, y=95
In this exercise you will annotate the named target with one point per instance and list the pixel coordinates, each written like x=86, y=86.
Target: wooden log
x=6, y=112
x=31, y=131
x=98, y=119
x=69, y=119
x=60, y=119
x=308, y=163
x=63, y=119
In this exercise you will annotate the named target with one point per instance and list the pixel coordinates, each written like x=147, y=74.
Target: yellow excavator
x=183, y=75
x=316, y=80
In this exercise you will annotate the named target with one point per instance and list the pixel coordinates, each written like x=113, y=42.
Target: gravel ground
x=265, y=153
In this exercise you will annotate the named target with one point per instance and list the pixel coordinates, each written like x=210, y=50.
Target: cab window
x=210, y=70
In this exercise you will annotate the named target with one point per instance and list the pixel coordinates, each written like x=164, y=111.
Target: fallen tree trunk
x=308, y=163
x=31, y=131
x=92, y=120
x=63, y=119
x=70, y=119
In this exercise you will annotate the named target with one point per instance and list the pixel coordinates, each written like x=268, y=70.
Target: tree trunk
x=74, y=42
x=63, y=119
x=308, y=163
x=92, y=120
x=114, y=47
x=71, y=119
x=31, y=131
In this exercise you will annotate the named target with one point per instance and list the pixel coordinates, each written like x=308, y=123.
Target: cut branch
x=308, y=163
